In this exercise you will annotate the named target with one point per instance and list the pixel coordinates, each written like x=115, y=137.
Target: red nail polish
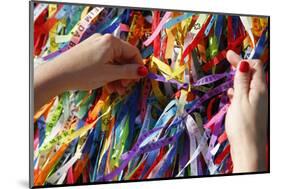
x=142, y=71
x=244, y=66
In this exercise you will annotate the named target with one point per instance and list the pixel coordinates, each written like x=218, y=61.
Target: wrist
x=47, y=85
x=248, y=157
x=68, y=67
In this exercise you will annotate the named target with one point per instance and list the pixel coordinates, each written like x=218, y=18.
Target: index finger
x=124, y=53
x=258, y=76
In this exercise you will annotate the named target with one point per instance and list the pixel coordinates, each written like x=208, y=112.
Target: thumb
x=242, y=76
x=126, y=71
x=242, y=79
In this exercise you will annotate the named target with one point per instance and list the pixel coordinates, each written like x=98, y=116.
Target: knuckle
x=134, y=49
x=240, y=80
x=96, y=35
x=262, y=90
x=108, y=39
x=257, y=63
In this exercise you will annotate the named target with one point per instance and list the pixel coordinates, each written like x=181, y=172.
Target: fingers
x=116, y=86
x=249, y=75
x=230, y=94
x=130, y=52
x=126, y=82
x=258, y=86
x=126, y=71
x=123, y=52
x=96, y=36
x=121, y=91
x=233, y=58
x=125, y=63
x=242, y=79
x=243, y=75
x=110, y=88
x=258, y=76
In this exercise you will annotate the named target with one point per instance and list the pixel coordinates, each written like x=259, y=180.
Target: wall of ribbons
x=170, y=124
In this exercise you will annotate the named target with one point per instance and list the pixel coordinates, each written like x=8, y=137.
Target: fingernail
x=244, y=66
x=142, y=71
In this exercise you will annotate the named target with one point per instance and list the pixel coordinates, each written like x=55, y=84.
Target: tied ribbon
x=169, y=123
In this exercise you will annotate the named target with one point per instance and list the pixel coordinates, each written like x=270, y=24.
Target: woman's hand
x=101, y=60
x=246, y=118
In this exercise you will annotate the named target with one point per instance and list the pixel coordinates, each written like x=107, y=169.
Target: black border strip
x=31, y=93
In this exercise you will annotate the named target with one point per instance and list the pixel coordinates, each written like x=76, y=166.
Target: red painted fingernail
x=244, y=66
x=142, y=71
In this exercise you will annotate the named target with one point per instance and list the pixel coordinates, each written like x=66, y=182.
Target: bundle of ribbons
x=170, y=124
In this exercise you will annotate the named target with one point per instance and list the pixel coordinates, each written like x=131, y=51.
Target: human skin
x=96, y=62
x=246, y=118
x=108, y=61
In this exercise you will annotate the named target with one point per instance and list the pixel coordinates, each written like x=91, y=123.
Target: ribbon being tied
x=170, y=123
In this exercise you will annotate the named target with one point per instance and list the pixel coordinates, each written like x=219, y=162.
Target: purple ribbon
x=217, y=90
x=203, y=81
